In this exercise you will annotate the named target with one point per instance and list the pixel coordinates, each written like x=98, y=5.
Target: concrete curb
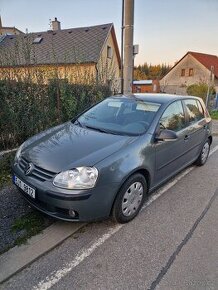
x=19, y=257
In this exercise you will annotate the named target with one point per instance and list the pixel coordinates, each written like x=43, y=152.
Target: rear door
x=197, y=127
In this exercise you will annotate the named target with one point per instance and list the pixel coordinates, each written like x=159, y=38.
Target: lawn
x=214, y=115
x=17, y=226
x=30, y=225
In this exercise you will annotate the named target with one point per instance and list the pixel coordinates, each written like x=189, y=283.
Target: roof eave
x=112, y=31
x=46, y=64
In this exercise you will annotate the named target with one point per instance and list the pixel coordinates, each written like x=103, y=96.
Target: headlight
x=78, y=178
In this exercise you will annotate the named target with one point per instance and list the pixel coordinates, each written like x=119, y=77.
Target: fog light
x=72, y=213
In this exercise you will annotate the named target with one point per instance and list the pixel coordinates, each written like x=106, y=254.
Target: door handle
x=186, y=137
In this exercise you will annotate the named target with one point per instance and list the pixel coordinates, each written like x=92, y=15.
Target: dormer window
x=37, y=40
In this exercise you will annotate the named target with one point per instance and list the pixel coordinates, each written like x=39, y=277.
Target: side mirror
x=166, y=135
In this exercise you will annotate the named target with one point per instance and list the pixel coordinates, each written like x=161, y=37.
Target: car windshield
x=121, y=116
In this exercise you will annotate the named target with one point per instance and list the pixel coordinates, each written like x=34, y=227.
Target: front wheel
x=202, y=158
x=130, y=199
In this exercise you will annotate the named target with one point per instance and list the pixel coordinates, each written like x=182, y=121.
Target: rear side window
x=194, y=109
x=173, y=118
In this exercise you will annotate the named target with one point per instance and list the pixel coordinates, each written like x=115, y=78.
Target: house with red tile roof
x=192, y=68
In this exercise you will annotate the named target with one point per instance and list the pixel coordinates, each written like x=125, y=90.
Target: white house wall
x=174, y=83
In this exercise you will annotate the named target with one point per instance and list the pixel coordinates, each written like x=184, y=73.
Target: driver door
x=170, y=155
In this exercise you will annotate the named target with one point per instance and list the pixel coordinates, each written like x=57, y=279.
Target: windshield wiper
x=102, y=130
x=77, y=122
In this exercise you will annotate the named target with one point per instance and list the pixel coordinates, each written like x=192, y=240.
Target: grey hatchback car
x=105, y=161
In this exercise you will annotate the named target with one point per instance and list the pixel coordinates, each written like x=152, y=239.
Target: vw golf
x=104, y=162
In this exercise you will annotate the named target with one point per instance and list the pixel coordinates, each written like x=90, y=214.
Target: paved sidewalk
x=19, y=257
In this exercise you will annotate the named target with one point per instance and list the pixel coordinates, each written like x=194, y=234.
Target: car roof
x=157, y=98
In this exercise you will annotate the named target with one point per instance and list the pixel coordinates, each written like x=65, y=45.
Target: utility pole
x=210, y=83
x=128, y=46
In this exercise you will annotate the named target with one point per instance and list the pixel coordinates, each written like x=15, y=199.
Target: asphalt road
x=172, y=244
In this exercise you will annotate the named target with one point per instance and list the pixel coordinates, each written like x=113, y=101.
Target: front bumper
x=89, y=205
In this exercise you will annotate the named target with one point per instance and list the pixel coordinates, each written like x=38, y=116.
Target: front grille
x=38, y=172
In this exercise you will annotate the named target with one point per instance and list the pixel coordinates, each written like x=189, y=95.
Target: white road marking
x=56, y=276
x=51, y=281
x=213, y=150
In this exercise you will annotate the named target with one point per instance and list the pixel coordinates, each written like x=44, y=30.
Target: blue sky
x=164, y=29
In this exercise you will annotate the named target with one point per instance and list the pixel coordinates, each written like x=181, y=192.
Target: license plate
x=26, y=188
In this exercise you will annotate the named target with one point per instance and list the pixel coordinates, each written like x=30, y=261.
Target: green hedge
x=27, y=108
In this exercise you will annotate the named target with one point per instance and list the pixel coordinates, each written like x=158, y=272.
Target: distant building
x=78, y=54
x=146, y=86
x=8, y=30
x=192, y=68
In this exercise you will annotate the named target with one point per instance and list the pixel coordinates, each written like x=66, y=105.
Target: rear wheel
x=130, y=199
x=202, y=158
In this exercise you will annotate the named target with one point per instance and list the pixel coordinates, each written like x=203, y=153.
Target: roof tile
x=207, y=60
x=72, y=45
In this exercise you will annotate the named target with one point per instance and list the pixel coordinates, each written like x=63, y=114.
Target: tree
x=145, y=71
x=139, y=74
x=200, y=90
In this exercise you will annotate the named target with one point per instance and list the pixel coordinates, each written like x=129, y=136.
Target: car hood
x=68, y=146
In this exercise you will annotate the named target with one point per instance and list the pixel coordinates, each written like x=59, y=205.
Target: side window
x=195, y=114
x=173, y=118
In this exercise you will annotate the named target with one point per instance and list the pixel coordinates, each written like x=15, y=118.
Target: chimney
x=56, y=25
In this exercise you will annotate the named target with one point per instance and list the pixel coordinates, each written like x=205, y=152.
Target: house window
x=191, y=72
x=183, y=72
x=109, y=51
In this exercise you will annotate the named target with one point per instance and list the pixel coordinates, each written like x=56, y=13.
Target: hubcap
x=205, y=152
x=132, y=199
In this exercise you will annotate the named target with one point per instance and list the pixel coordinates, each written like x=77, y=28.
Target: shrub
x=200, y=90
x=28, y=108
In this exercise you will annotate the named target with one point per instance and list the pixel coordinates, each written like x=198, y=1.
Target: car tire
x=130, y=199
x=203, y=156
